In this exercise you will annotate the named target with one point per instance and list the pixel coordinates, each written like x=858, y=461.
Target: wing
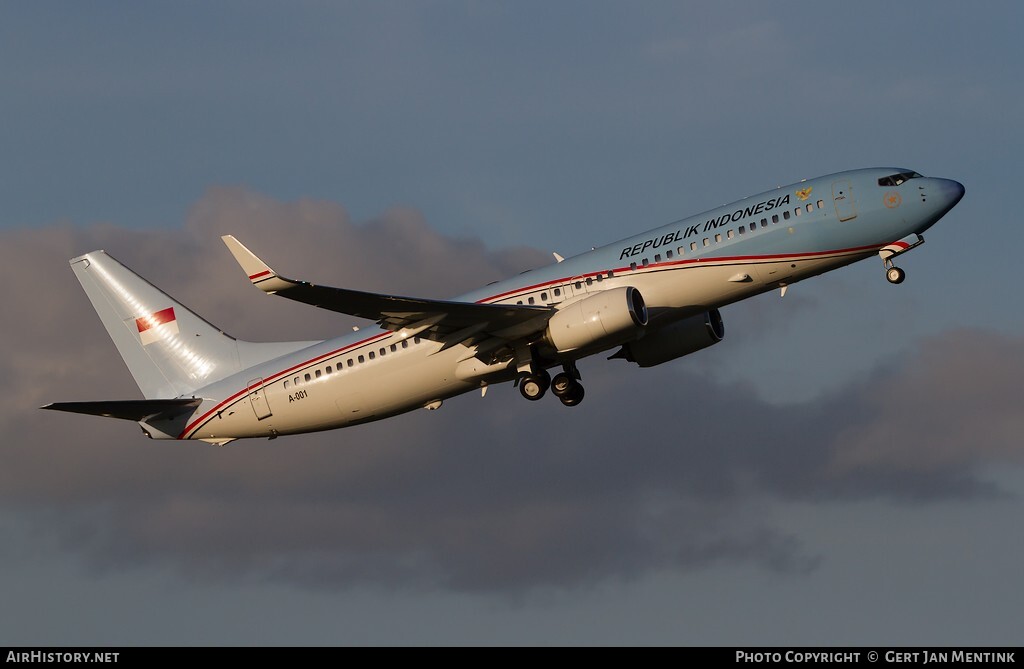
x=440, y=320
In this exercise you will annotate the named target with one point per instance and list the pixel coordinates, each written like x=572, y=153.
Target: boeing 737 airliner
x=653, y=297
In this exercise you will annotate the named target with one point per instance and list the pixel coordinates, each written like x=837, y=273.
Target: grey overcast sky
x=844, y=469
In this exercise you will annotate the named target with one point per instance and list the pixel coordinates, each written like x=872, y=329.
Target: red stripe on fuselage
x=672, y=263
x=196, y=424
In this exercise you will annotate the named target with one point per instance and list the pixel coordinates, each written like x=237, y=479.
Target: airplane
x=653, y=297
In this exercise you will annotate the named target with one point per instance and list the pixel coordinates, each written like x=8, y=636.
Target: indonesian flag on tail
x=157, y=326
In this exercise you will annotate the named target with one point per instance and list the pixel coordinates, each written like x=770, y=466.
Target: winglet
x=258, y=271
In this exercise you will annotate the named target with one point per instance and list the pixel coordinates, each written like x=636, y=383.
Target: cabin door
x=842, y=196
x=258, y=399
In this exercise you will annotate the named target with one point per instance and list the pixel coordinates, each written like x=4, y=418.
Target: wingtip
x=259, y=272
x=250, y=263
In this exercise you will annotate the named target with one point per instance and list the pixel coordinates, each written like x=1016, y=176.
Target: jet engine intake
x=607, y=318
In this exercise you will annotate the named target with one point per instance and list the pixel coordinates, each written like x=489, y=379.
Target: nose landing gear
x=894, y=274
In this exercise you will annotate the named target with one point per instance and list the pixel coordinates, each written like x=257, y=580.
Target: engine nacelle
x=607, y=318
x=675, y=340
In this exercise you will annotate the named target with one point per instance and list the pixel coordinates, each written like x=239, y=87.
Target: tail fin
x=169, y=350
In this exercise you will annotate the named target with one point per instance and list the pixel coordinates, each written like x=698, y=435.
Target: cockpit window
x=897, y=179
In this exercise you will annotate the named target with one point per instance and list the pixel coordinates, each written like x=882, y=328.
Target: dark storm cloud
x=657, y=470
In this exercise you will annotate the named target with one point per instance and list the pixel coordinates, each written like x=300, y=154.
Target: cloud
x=661, y=469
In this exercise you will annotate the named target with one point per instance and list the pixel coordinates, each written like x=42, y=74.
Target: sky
x=845, y=468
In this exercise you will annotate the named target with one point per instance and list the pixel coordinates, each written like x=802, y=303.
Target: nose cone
x=938, y=196
x=950, y=191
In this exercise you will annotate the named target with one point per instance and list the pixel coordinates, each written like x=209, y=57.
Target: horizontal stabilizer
x=137, y=410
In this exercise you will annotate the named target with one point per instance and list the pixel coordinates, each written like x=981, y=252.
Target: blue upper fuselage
x=859, y=210
x=802, y=218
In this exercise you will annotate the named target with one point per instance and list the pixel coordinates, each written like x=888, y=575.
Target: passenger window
x=519, y=302
x=579, y=284
x=707, y=242
x=785, y=214
x=764, y=222
x=405, y=342
x=742, y=229
x=544, y=296
x=531, y=300
x=393, y=348
x=296, y=380
x=821, y=204
x=810, y=208
x=558, y=292
x=657, y=257
x=372, y=356
x=590, y=279
x=693, y=246
x=718, y=238
x=362, y=359
x=681, y=250
x=307, y=377
x=318, y=374
x=415, y=340
x=350, y=363
x=798, y=211
x=643, y=262
x=329, y=369
x=730, y=234
x=668, y=254
x=600, y=278
x=632, y=266
x=286, y=384
x=775, y=218
x=753, y=226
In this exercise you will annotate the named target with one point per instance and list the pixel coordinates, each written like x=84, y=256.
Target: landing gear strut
x=893, y=273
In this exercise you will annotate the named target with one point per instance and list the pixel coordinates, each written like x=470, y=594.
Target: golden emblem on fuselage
x=804, y=193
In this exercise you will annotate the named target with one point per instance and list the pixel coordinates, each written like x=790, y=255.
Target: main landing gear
x=565, y=386
x=533, y=386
